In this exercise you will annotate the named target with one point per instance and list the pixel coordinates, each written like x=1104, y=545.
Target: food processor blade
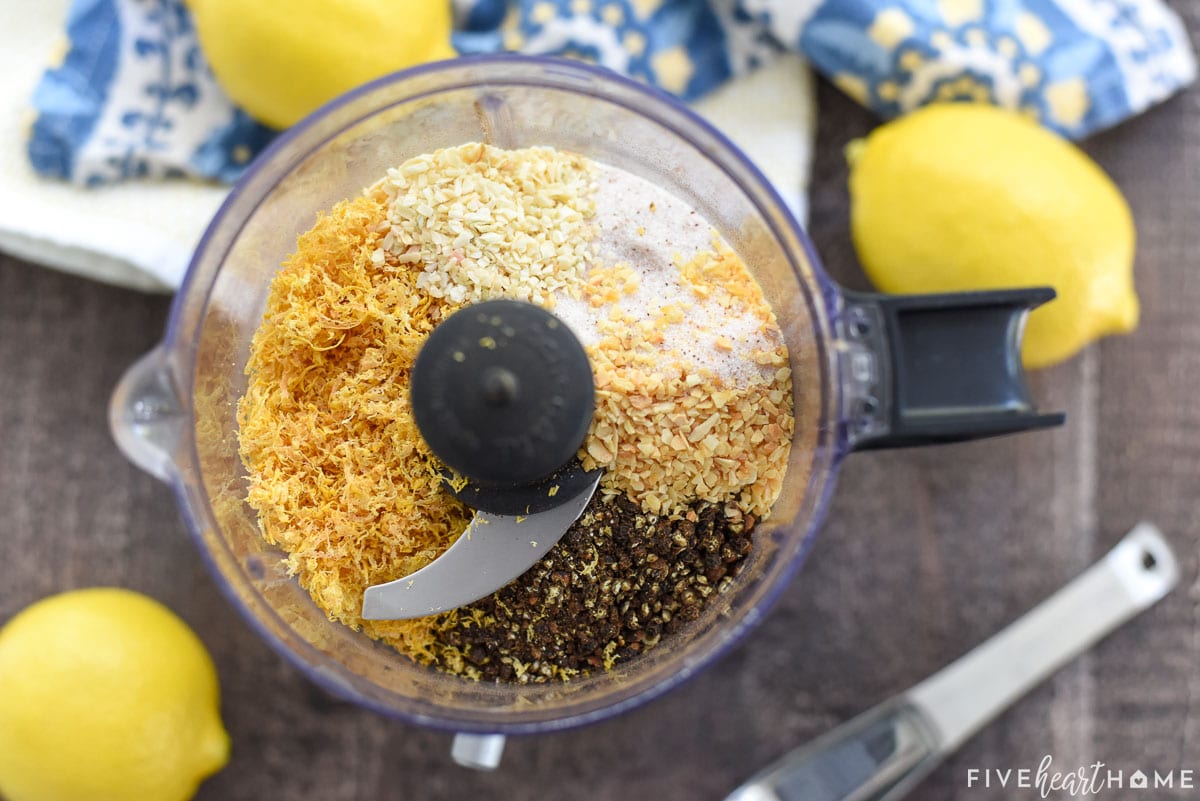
x=494, y=550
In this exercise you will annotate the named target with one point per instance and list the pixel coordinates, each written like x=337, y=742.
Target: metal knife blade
x=494, y=550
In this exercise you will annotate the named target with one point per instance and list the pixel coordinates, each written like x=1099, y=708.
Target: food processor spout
x=146, y=416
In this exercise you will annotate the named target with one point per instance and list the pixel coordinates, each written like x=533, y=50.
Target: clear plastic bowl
x=174, y=412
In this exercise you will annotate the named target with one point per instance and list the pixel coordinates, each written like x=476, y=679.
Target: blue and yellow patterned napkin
x=1076, y=65
x=134, y=98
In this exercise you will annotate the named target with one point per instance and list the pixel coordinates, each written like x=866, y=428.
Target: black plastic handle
x=928, y=369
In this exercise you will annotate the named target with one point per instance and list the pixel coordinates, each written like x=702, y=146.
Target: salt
x=652, y=232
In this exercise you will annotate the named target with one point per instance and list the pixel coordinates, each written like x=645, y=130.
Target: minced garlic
x=482, y=222
x=668, y=432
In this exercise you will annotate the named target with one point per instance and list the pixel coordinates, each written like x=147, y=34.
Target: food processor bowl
x=174, y=413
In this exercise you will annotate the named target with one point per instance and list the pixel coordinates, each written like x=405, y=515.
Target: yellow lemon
x=958, y=197
x=281, y=59
x=105, y=695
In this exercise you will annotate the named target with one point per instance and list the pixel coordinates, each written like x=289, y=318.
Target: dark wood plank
x=1146, y=708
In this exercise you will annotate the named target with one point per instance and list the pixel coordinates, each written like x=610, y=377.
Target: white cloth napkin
x=137, y=234
x=141, y=234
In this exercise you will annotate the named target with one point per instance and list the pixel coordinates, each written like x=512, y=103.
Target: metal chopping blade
x=494, y=550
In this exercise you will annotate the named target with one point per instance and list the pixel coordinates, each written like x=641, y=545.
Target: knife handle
x=878, y=755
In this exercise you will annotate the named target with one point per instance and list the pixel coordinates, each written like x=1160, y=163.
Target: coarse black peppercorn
x=617, y=584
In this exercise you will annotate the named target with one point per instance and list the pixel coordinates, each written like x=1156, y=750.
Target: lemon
x=105, y=695
x=281, y=59
x=960, y=197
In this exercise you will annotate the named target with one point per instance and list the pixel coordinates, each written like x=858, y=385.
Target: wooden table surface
x=925, y=552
